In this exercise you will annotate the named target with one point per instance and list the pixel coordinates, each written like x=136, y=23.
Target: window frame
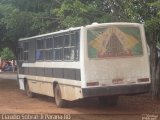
x=116, y=57
x=48, y=49
x=40, y=49
x=55, y=49
x=25, y=51
x=70, y=47
x=58, y=48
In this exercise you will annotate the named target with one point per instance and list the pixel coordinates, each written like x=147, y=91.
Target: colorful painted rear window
x=114, y=41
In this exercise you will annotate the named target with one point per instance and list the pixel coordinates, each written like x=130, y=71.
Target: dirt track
x=12, y=100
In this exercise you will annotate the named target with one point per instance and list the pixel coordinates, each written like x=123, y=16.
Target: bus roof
x=77, y=28
x=52, y=33
x=112, y=23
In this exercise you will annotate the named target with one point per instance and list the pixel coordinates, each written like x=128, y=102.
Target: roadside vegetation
x=25, y=18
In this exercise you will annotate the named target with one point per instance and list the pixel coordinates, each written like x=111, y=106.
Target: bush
x=7, y=54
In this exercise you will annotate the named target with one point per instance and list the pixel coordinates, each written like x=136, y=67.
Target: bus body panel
x=116, y=90
x=71, y=90
x=114, y=76
x=127, y=70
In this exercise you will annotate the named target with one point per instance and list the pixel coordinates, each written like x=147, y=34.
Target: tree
x=7, y=54
x=146, y=12
x=74, y=13
x=19, y=20
x=25, y=18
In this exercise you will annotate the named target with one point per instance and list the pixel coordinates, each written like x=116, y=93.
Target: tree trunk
x=158, y=79
x=154, y=61
x=158, y=74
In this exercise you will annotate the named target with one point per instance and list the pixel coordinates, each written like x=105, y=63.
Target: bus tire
x=112, y=100
x=58, y=97
x=108, y=100
x=102, y=100
x=29, y=93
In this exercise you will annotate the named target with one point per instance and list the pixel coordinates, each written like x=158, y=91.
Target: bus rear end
x=116, y=60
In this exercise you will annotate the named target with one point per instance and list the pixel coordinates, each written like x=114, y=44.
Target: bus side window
x=25, y=52
x=48, y=48
x=71, y=49
x=68, y=48
x=20, y=51
x=40, y=50
x=77, y=44
x=58, y=48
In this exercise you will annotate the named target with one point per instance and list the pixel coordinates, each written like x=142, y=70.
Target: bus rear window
x=114, y=41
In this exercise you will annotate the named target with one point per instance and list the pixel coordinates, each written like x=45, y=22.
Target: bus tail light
x=143, y=80
x=117, y=81
x=93, y=84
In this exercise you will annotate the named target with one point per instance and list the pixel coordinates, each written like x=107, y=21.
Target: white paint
x=21, y=81
x=53, y=64
x=21, y=84
x=82, y=57
x=52, y=79
x=48, y=34
x=127, y=68
x=101, y=70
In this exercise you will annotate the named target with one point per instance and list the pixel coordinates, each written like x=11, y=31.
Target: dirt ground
x=14, y=101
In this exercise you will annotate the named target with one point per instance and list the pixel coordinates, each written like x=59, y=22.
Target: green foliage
x=7, y=54
x=141, y=11
x=76, y=13
x=25, y=18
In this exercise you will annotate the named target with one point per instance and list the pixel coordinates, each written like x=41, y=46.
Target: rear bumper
x=116, y=90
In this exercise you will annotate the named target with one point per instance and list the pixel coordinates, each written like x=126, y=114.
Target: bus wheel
x=58, y=97
x=29, y=93
x=112, y=100
x=108, y=100
x=102, y=100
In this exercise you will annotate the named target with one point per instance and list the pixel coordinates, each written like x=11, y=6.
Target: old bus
x=98, y=60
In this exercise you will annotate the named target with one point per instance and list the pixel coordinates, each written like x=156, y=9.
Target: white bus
x=98, y=60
